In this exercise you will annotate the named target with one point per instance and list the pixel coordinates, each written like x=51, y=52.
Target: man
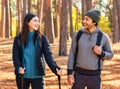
x=87, y=70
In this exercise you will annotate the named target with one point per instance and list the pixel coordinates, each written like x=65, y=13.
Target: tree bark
x=86, y=5
x=58, y=8
x=63, y=29
x=20, y=9
x=40, y=12
x=118, y=12
x=70, y=17
x=24, y=8
x=7, y=18
x=29, y=6
x=115, y=23
x=3, y=20
x=49, y=29
x=10, y=18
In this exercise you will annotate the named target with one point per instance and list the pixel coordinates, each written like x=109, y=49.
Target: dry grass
x=110, y=74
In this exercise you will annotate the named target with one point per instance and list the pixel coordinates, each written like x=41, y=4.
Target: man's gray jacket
x=86, y=58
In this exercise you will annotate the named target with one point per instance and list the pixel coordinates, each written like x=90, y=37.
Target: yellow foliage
x=14, y=26
x=105, y=24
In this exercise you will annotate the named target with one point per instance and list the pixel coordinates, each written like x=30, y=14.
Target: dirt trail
x=110, y=74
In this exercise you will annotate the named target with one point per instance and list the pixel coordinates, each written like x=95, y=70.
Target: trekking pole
x=59, y=78
x=22, y=81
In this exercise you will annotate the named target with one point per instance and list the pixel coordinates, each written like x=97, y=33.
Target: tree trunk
x=10, y=18
x=19, y=7
x=70, y=17
x=115, y=23
x=7, y=24
x=29, y=6
x=86, y=5
x=3, y=20
x=55, y=27
x=63, y=28
x=118, y=12
x=40, y=12
x=49, y=29
x=24, y=9
x=55, y=17
x=58, y=8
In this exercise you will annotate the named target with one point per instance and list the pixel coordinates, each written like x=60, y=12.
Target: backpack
x=98, y=42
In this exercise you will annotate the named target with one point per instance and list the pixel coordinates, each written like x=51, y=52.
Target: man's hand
x=97, y=50
x=70, y=79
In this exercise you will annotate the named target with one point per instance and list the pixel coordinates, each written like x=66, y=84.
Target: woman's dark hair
x=25, y=29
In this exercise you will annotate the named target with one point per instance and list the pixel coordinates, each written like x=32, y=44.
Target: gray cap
x=94, y=14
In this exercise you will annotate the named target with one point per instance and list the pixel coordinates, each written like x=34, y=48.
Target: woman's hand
x=59, y=71
x=21, y=70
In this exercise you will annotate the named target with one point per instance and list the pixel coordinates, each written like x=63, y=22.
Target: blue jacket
x=42, y=49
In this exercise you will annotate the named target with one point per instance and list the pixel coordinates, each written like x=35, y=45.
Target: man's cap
x=94, y=14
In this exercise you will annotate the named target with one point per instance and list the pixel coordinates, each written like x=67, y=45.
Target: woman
x=28, y=50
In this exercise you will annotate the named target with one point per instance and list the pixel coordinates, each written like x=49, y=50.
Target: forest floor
x=110, y=73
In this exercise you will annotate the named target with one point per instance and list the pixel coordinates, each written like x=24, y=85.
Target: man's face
x=88, y=23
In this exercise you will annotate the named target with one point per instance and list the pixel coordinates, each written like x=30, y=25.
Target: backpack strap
x=79, y=34
x=99, y=38
x=98, y=42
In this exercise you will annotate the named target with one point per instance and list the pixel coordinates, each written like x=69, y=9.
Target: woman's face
x=34, y=24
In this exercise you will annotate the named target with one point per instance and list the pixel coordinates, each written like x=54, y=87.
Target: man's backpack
x=98, y=42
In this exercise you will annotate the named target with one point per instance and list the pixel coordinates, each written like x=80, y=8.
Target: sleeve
x=16, y=55
x=48, y=55
x=71, y=57
x=107, y=52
